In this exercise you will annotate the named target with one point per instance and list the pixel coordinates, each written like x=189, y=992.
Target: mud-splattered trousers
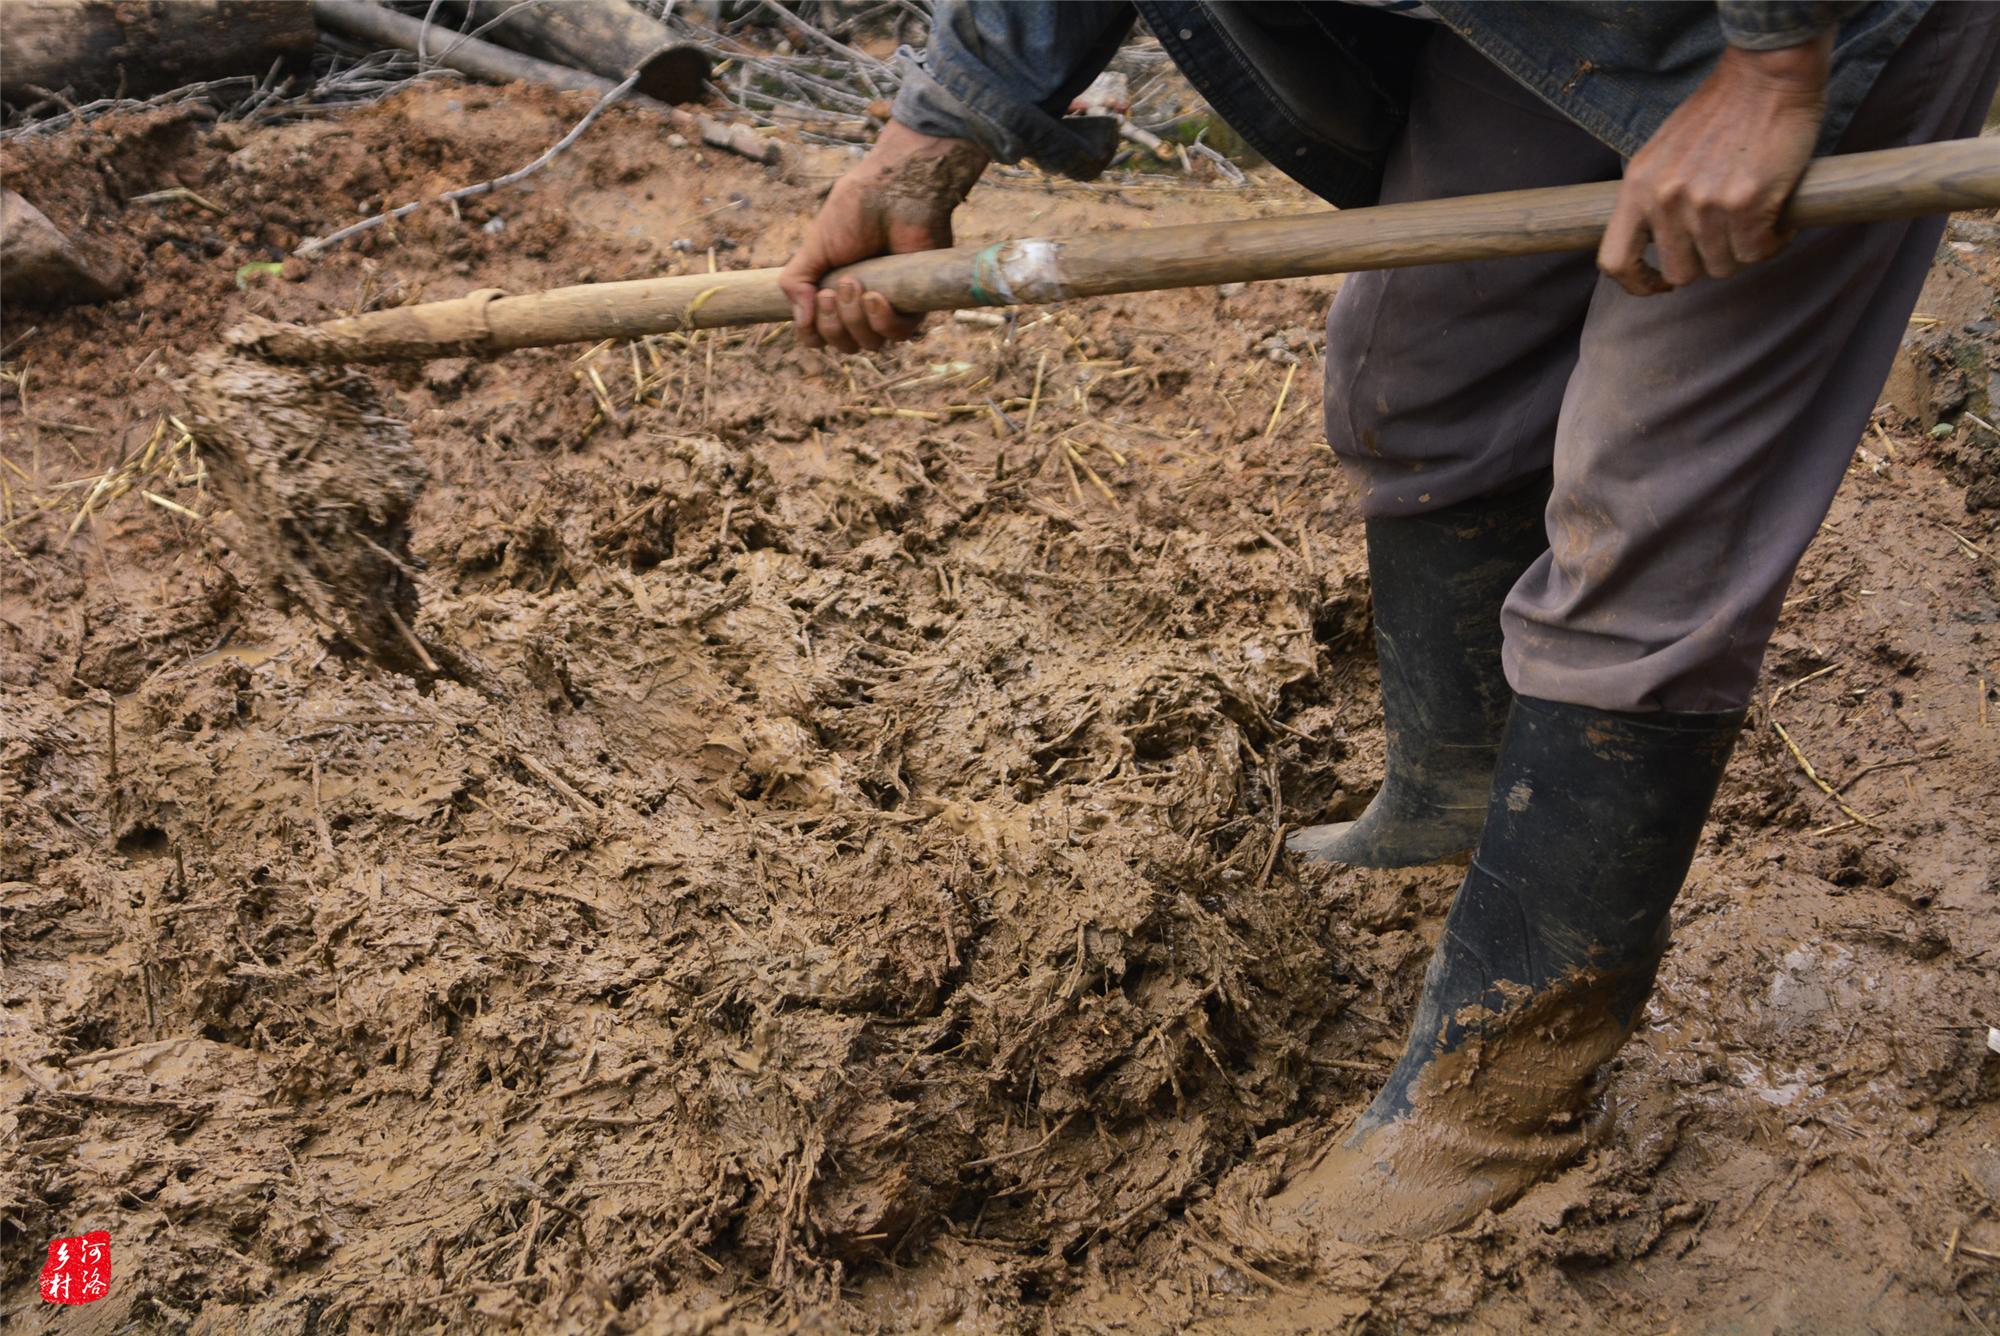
x=1696, y=438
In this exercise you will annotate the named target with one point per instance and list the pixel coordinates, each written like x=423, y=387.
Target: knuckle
x=1738, y=200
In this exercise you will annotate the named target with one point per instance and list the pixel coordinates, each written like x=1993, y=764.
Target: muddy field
x=851, y=897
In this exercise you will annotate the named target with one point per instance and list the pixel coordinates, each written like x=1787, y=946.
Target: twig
x=1229, y=170
x=318, y=244
x=619, y=1077
x=1237, y=1264
x=1279, y=407
x=1146, y=139
x=528, y=1240
x=556, y=782
x=476, y=33
x=1796, y=683
x=347, y=81
x=1091, y=474
x=20, y=339
x=176, y=193
x=174, y=506
x=1813, y=775
x=787, y=21
x=1971, y=547
x=1805, y=1162
x=1035, y=395
x=1023, y=1150
x=1353, y=1065
x=410, y=639
x=1868, y=770
x=71, y=113
x=320, y=826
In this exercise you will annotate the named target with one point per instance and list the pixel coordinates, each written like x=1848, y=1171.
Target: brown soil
x=855, y=901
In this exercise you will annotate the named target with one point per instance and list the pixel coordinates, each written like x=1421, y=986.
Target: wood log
x=366, y=21
x=607, y=37
x=41, y=267
x=99, y=48
x=1858, y=187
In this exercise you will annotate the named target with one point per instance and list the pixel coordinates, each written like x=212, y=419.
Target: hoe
x=323, y=477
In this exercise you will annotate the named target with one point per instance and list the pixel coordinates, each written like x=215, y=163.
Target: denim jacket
x=1321, y=89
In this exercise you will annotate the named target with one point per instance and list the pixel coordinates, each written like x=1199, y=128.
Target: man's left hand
x=1708, y=188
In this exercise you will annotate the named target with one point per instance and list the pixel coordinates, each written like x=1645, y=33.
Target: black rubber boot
x=1438, y=581
x=1547, y=957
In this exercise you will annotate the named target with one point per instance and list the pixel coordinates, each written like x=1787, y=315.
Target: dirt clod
x=322, y=477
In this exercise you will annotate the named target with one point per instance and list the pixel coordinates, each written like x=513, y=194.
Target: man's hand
x=899, y=198
x=1707, y=189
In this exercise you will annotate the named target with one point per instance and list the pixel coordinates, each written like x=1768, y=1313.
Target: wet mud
x=853, y=897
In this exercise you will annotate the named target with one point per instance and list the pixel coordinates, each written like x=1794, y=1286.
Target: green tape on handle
x=989, y=285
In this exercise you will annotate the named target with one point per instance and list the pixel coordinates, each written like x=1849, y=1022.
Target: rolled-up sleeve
x=1004, y=74
x=1771, y=25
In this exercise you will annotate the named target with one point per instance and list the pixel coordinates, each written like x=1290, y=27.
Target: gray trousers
x=1697, y=438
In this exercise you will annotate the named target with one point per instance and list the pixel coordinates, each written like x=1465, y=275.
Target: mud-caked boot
x=1547, y=958
x=1438, y=581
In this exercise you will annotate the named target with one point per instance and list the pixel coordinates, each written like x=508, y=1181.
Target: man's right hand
x=899, y=198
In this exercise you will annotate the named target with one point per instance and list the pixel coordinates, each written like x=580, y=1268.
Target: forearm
x=918, y=173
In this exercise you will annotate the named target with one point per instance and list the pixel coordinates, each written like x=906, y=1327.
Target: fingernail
x=849, y=289
x=877, y=302
x=825, y=300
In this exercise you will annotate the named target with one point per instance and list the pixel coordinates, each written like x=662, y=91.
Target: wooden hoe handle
x=1855, y=188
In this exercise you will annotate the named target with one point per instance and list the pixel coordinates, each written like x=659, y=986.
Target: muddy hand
x=897, y=199
x=1709, y=186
